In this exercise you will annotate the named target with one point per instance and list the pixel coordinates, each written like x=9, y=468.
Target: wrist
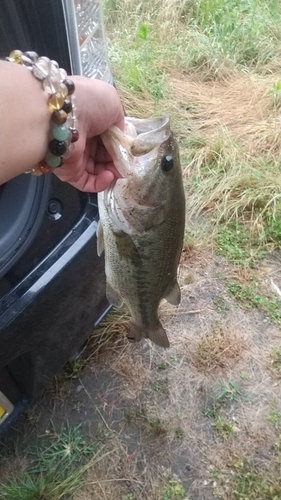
x=47, y=112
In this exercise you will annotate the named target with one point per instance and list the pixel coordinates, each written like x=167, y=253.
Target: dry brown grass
x=242, y=106
x=219, y=349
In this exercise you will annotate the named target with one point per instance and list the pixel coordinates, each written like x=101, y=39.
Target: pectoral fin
x=114, y=297
x=100, y=239
x=174, y=295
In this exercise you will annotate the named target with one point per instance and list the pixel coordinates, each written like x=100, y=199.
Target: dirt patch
x=177, y=414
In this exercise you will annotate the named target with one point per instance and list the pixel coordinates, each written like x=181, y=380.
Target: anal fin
x=174, y=295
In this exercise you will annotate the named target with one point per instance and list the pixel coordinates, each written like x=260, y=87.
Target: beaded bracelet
x=61, y=105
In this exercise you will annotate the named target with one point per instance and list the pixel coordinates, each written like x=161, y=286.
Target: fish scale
x=142, y=220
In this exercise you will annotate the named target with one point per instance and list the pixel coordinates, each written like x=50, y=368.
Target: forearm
x=24, y=120
x=26, y=124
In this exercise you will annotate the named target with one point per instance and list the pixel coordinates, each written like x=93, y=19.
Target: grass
x=218, y=349
x=275, y=361
x=213, y=36
x=55, y=469
x=245, y=482
x=173, y=491
x=249, y=296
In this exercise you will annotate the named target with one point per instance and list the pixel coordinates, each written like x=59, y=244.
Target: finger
x=99, y=153
x=94, y=183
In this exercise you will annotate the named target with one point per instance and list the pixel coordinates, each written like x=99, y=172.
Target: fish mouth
x=140, y=137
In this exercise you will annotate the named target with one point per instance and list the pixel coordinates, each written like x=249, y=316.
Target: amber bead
x=45, y=169
x=56, y=102
x=59, y=117
x=75, y=134
x=35, y=171
x=70, y=85
x=57, y=148
x=15, y=56
x=67, y=106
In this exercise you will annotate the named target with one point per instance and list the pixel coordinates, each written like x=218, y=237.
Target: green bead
x=60, y=132
x=52, y=160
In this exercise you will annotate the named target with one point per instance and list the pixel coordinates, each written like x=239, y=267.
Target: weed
x=276, y=361
x=276, y=93
x=173, y=491
x=224, y=429
x=174, y=358
x=250, y=297
x=235, y=243
x=188, y=242
x=162, y=366
x=212, y=412
x=157, y=427
x=162, y=385
x=189, y=278
x=179, y=432
x=220, y=304
x=73, y=369
x=274, y=417
x=230, y=392
x=251, y=484
x=55, y=470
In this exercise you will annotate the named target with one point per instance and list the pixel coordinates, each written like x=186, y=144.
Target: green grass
x=249, y=296
x=247, y=481
x=55, y=470
x=236, y=244
x=223, y=428
x=276, y=361
x=242, y=193
x=173, y=491
x=212, y=36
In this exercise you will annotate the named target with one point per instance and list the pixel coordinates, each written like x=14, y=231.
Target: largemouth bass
x=142, y=219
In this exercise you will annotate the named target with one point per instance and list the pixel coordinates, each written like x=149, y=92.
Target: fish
x=142, y=223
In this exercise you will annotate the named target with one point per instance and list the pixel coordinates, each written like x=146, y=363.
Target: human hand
x=90, y=167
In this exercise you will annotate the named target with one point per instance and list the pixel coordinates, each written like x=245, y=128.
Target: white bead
x=55, y=72
x=51, y=85
x=41, y=68
x=63, y=74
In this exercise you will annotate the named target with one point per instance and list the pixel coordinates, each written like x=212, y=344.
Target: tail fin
x=156, y=334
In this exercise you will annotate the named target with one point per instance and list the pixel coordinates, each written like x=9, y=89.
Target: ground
x=202, y=419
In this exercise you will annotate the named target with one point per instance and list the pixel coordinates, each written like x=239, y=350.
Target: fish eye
x=167, y=163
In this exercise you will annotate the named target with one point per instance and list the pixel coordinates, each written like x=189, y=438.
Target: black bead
x=67, y=106
x=167, y=163
x=57, y=148
x=70, y=86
